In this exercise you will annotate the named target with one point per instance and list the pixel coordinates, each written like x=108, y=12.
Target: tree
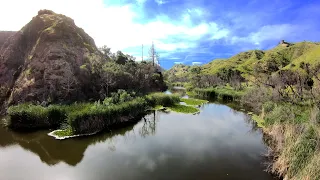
x=106, y=51
x=121, y=58
x=153, y=55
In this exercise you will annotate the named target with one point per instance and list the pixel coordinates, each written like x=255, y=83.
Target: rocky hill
x=4, y=35
x=42, y=62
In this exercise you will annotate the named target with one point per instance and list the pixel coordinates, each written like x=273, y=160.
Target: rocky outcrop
x=49, y=60
x=4, y=35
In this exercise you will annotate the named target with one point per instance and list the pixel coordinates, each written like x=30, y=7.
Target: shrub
x=223, y=93
x=268, y=106
x=289, y=113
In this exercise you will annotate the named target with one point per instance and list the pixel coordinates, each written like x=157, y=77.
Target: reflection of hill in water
x=52, y=151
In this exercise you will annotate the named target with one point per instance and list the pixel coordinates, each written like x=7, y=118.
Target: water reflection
x=178, y=90
x=219, y=143
x=52, y=151
x=149, y=125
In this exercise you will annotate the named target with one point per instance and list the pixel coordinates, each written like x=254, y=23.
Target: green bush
x=223, y=93
x=268, y=106
x=287, y=113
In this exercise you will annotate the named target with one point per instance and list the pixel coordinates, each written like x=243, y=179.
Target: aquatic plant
x=83, y=118
x=183, y=108
x=194, y=102
x=162, y=99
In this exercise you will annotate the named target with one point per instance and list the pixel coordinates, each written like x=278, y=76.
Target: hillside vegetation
x=51, y=60
x=282, y=87
x=247, y=66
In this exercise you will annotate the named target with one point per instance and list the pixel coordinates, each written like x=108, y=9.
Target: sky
x=183, y=31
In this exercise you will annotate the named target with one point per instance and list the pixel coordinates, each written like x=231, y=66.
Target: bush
x=119, y=97
x=268, y=106
x=223, y=93
x=288, y=113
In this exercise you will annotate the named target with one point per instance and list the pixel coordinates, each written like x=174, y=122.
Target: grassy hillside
x=247, y=63
x=178, y=73
x=282, y=87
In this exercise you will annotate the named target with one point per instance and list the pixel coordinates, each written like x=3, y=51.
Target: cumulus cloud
x=268, y=32
x=116, y=26
x=178, y=28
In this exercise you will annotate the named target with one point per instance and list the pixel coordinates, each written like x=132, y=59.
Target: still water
x=217, y=144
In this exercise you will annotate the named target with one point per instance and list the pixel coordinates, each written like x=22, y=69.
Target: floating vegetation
x=194, y=102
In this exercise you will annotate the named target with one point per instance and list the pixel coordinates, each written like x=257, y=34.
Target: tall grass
x=162, y=99
x=83, y=118
x=295, y=132
x=28, y=116
x=99, y=116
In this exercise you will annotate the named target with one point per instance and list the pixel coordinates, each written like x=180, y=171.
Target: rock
x=4, y=35
x=42, y=61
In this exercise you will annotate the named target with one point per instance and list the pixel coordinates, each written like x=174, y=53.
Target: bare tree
x=70, y=82
x=153, y=55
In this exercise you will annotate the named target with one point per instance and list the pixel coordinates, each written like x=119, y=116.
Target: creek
x=219, y=143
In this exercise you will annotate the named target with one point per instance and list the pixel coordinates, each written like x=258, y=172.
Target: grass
x=194, y=102
x=85, y=118
x=183, y=109
x=158, y=107
x=63, y=132
x=28, y=116
x=295, y=135
x=162, y=99
x=260, y=122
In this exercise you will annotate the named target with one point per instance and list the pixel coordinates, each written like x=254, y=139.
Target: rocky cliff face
x=4, y=35
x=47, y=60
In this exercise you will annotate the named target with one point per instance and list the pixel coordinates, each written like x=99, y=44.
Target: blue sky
x=184, y=31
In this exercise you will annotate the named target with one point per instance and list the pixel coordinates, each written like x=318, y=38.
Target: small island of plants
x=89, y=118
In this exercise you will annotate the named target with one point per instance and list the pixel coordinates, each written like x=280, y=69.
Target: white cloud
x=179, y=62
x=196, y=63
x=160, y=2
x=269, y=32
x=196, y=11
x=114, y=26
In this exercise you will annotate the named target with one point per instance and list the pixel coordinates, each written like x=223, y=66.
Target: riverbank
x=89, y=118
x=293, y=130
x=223, y=93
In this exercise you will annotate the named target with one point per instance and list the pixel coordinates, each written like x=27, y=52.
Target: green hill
x=246, y=63
x=178, y=73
